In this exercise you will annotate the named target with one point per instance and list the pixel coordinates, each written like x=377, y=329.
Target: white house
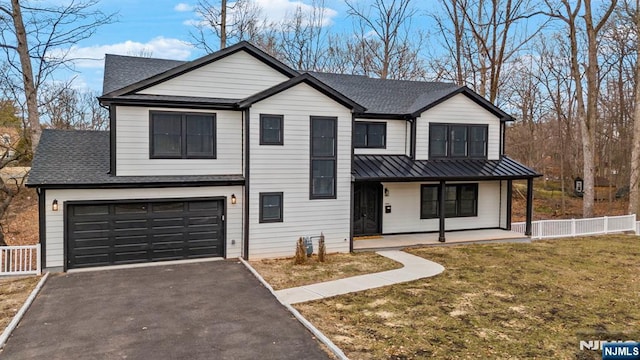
x=236, y=154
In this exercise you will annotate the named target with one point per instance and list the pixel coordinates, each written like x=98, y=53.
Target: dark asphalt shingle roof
x=402, y=168
x=120, y=71
x=378, y=96
x=78, y=157
x=387, y=96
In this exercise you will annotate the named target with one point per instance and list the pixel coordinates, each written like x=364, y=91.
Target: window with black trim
x=271, y=129
x=271, y=207
x=457, y=141
x=323, y=157
x=461, y=200
x=174, y=135
x=370, y=135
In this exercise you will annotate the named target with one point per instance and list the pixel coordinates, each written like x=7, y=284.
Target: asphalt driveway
x=209, y=310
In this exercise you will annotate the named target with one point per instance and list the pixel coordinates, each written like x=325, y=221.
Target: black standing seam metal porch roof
x=403, y=168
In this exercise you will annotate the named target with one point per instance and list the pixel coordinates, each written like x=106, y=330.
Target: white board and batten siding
x=404, y=199
x=286, y=168
x=132, y=145
x=55, y=219
x=397, y=139
x=235, y=76
x=458, y=110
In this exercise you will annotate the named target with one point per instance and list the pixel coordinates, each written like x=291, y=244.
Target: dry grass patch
x=495, y=301
x=13, y=293
x=283, y=274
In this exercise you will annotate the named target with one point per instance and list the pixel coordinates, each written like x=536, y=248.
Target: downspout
x=441, y=196
x=112, y=140
x=351, y=198
x=245, y=203
x=412, y=148
x=509, y=197
x=503, y=139
x=42, y=226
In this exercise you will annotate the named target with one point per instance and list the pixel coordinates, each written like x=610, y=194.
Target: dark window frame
x=458, y=200
x=261, y=210
x=183, y=135
x=367, y=124
x=450, y=143
x=275, y=116
x=333, y=158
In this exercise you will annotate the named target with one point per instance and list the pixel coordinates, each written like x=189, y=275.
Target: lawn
x=495, y=301
x=282, y=273
x=13, y=293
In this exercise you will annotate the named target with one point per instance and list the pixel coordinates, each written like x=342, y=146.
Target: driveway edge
x=18, y=316
x=317, y=333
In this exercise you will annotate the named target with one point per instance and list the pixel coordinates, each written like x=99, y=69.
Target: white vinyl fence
x=20, y=260
x=545, y=229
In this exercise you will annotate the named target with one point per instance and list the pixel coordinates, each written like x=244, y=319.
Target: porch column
x=527, y=229
x=509, y=198
x=441, y=197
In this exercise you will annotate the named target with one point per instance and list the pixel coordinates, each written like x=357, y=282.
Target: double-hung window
x=457, y=141
x=176, y=135
x=460, y=200
x=271, y=129
x=323, y=157
x=370, y=135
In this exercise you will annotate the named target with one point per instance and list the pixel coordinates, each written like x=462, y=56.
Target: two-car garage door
x=110, y=233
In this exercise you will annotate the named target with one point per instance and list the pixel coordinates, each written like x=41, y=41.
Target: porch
x=429, y=239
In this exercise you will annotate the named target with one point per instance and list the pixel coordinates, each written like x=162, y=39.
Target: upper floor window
x=271, y=129
x=323, y=157
x=370, y=135
x=461, y=200
x=176, y=135
x=457, y=141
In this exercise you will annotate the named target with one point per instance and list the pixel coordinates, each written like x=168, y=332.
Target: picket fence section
x=20, y=260
x=545, y=229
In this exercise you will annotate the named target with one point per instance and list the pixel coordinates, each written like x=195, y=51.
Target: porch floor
x=452, y=237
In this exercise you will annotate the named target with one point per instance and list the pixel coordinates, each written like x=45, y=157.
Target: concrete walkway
x=414, y=268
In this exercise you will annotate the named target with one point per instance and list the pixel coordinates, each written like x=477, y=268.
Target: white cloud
x=277, y=11
x=183, y=7
x=161, y=47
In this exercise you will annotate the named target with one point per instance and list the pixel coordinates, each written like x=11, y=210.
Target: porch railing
x=20, y=260
x=545, y=229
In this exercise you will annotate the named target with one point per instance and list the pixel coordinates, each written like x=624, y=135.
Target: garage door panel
x=129, y=257
x=124, y=233
x=130, y=224
x=205, y=206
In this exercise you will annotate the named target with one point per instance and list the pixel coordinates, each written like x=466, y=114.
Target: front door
x=366, y=208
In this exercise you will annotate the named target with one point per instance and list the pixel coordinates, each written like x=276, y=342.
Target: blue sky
x=161, y=27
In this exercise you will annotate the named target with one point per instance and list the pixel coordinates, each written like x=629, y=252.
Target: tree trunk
x=223, y=24
x=31, y=93
x=634, y=178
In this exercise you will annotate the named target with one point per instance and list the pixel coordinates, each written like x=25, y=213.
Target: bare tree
x=68, y=108
x=633, y=11
x=385, y=45
x=481, y=37
x=41, y=37
x=587, y=113
x=228, y=22
x=302, y=37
